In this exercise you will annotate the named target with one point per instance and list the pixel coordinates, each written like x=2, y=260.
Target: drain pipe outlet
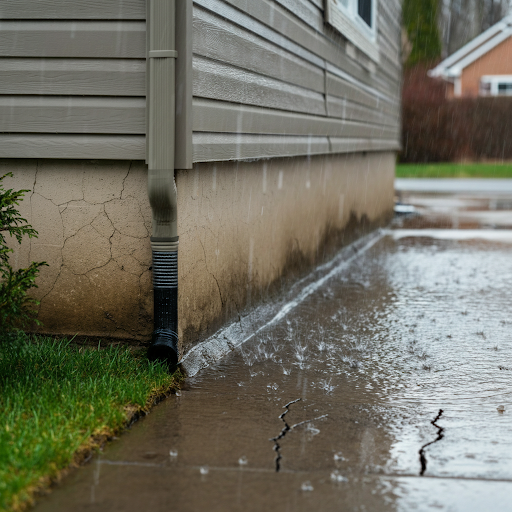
x=164, y=247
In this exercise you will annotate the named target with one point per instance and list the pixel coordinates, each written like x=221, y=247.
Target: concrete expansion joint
x=440, y=435
x=286, y=429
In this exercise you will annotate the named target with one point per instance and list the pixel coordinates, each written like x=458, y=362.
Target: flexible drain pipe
x=164, y=247
x=160, y=142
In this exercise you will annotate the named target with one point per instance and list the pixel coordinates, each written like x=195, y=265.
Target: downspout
x=164, y=45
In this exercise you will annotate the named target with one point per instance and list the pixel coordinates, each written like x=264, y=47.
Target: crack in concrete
x=440, y=435
x=286, y=429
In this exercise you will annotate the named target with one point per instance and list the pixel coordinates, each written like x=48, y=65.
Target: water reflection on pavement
x=413, y=339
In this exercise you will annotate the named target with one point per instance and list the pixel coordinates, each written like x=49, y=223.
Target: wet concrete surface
x=407, y=349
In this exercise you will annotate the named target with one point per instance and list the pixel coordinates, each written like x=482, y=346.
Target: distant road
x=454, y=185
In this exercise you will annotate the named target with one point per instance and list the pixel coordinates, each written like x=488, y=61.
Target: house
x=278, y=120
x=483, y=67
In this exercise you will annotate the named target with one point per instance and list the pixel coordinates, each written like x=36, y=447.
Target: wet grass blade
x=54, y=396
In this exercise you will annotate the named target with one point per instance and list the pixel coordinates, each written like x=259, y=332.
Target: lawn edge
x=96, y=442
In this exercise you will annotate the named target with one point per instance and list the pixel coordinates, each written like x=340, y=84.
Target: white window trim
x=346, y=20
x=494, y=81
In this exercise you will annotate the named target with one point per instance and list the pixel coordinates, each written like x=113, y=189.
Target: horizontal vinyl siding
x=110, y=147
x=70, y=77
x=214, y=80
x=73, y=79
x=211, y=147
x=72, y=10
x=79, y=39
x=271, y=79
x=211, y=116
x=71, y=114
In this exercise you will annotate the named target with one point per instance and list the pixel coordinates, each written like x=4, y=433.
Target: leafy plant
x=16, y=308
x=419, y=18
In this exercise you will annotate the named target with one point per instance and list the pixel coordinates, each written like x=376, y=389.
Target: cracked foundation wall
x=245, y=229
x=94, y=221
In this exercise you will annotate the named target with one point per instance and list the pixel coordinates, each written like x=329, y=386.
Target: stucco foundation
x=246, y=228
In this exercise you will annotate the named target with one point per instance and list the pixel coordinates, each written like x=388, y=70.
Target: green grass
x=57, y=401
x=450, y=170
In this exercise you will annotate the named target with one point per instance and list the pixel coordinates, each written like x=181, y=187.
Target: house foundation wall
x=246, y=230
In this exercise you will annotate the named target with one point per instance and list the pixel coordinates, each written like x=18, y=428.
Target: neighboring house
x=286, y=130
x=483, y=67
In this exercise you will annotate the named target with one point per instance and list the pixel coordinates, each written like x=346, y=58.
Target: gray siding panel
x=45, y=114
x=272, y=22
x=111, y=147
x=211, y=147
x=305, y=11
x=344, y=109
x=216, y=116
x=221, y=82
x=218, y=39
x=94, y=77
x=318, y=3
x=73, y=79
x=73, y=39
x=338, y=87
x=355, y=145
x=70, y=10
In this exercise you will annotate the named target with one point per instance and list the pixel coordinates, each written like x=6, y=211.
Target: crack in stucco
x=93, y=230
x=211, y=273
x=31, y=208
x=124, y=180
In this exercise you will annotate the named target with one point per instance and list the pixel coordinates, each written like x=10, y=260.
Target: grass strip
x=451, y=170
x=59, y=402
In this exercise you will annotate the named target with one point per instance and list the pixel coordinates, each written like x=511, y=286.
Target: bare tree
x=462, y=20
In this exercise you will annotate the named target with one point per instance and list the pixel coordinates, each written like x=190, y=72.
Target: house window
x=364, y=9
x=356, y=20
x=505, y=88
x=496, y=85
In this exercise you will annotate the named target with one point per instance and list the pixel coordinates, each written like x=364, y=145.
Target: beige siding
x=270, y=78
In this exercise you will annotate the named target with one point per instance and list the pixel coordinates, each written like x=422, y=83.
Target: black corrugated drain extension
x=164, y=345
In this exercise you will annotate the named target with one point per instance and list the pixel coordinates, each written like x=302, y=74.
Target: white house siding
x=270, y=78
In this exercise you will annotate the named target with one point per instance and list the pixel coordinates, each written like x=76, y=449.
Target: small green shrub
x=16, y=308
